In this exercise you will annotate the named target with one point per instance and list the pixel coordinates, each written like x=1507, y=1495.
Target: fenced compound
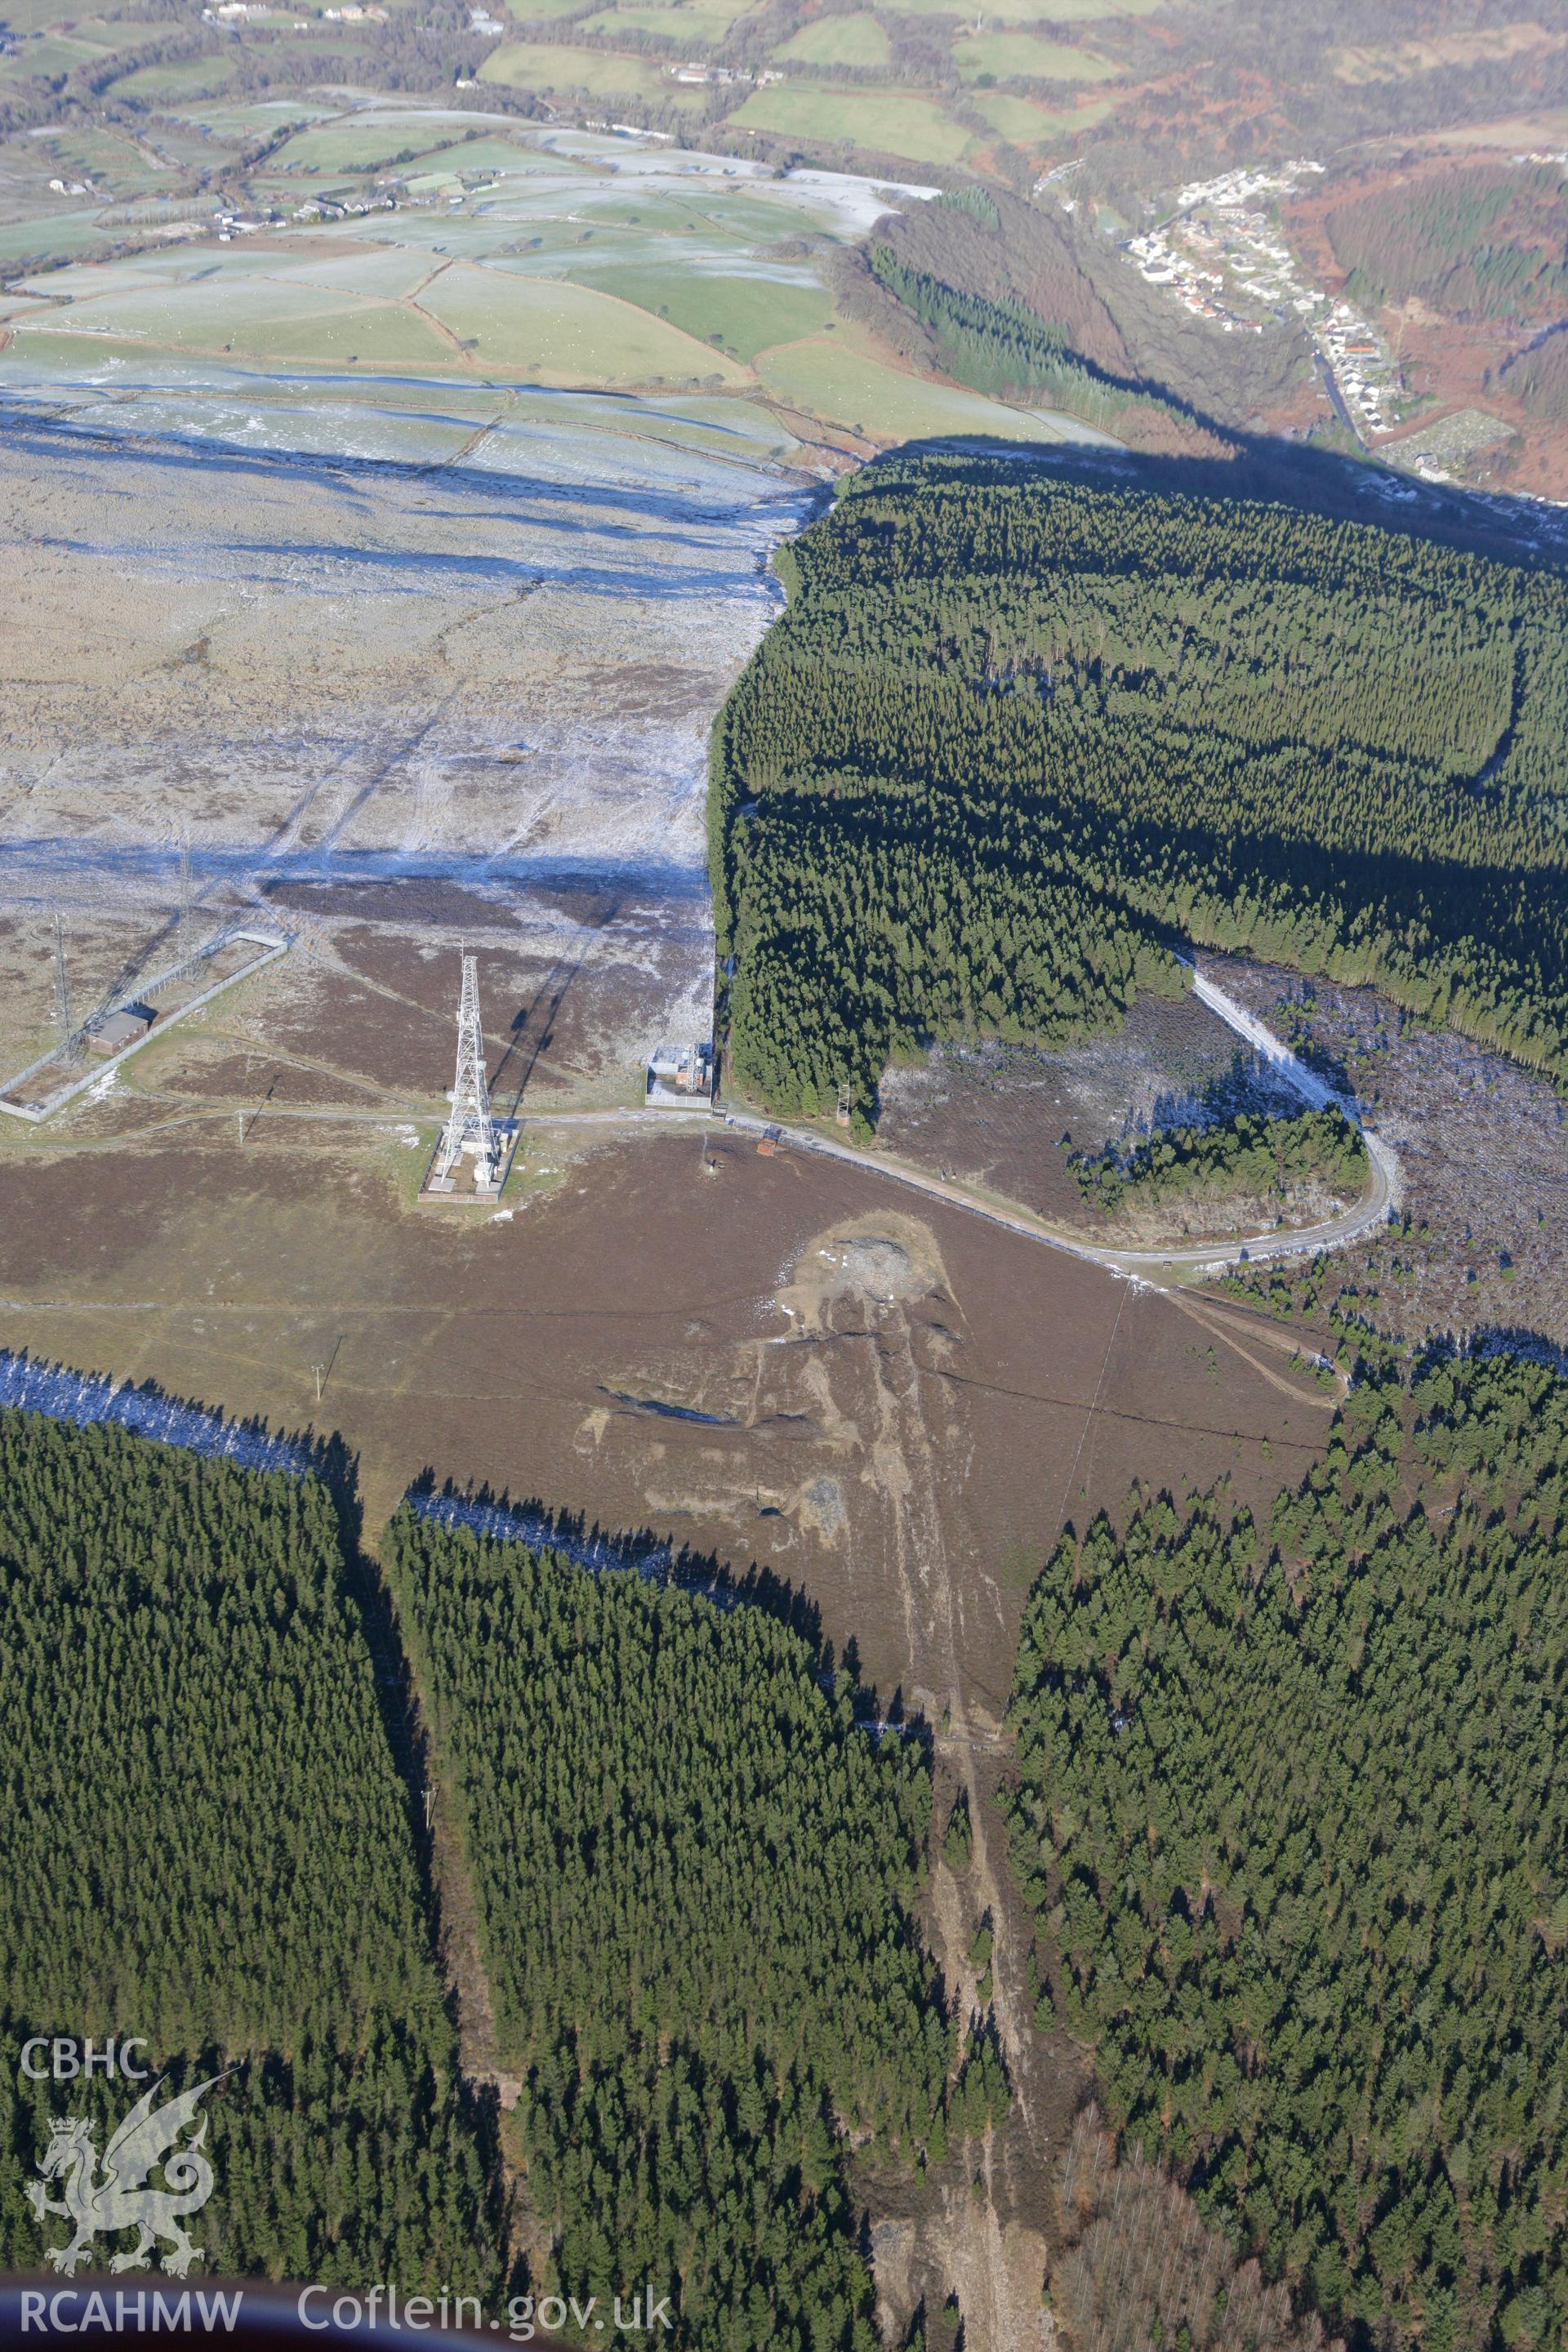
x=124, y=1026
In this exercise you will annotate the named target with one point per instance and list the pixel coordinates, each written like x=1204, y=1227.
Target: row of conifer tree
x=1013, y=736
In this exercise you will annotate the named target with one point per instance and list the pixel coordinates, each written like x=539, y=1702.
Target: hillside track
x=1171, y=1262
x=1180, y=1261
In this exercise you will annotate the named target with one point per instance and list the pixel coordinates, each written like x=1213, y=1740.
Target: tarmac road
x=1168, y=1264
x=1171, y=1263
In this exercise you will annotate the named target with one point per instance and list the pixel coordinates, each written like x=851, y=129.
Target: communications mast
x=470, y=1127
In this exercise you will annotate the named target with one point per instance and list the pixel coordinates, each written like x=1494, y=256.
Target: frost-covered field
x=276, y=664
x=420, y=544
x=272, y=623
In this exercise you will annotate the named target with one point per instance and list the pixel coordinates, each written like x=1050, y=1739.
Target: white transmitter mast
x=470, y=1129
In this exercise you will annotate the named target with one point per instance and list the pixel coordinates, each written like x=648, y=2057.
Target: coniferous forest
x=997, y=345
x=1292, y=1820
x=1014, y=734
x=206, y=1843
x=693, y=1875
x=1482, y=243
x=1251, y=1153
x=1288, y=1813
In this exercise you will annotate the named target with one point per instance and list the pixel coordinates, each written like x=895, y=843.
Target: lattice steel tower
x=69, y=1036
x=470, y=1127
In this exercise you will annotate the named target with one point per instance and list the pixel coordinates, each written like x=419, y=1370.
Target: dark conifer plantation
x=1292, y=1818
x=1014, y=733
x=693, y=1875
x=207, y=1842
x=999, y=345
x=1248, y=1153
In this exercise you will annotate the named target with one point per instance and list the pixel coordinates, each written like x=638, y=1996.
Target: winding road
x=1164, y=1265
x=1174, y=1261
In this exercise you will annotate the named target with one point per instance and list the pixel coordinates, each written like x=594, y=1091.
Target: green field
x=43, y=59
x=241, y=124
x=467, y=316
x=1026, y=58
x=539, y=11
x=557, y=329
x=110, y=160
x=52, y=234
x=210, y=314
x=890, y=121
x=380, y=334
x=82, y=146
x=32, y=16
x=1037, y=12
x=839, y=41
x=565, y=276
x=1028, y=125
x=354, y=147
x=833, y=381
x=625, y=206
x=160, y=273
x=746, y=313
x=389, y=273
x=502, y=154
x=693, y=23
x=185, y=78
x=284, y=327
x=552, y=66
x=106, y=34
x=596, y=281
x=440, y=180
x=739, y=210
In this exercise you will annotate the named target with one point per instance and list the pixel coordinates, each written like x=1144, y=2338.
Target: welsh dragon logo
x=121, y=2199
